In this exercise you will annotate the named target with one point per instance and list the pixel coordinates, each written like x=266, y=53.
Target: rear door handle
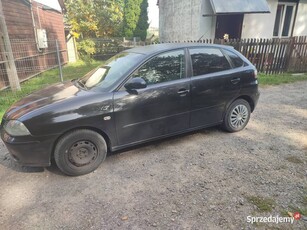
x=183, y=92
x=235, y=80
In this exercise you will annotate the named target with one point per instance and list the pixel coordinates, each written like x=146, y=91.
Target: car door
x=210, y=91
x=159, y=109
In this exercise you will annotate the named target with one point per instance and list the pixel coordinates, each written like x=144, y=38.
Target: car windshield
x=106, y=76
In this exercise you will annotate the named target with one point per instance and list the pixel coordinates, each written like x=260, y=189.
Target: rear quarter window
x=235, y=59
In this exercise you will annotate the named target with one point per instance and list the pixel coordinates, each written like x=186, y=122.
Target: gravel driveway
x=202, y=180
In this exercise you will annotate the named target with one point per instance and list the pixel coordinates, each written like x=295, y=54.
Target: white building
x=182, y=20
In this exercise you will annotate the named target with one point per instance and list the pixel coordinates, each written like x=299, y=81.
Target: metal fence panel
x=28, y=60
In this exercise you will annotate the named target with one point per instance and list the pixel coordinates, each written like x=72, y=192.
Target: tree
x=142, y=24
x=81, y=16
x=94, y=18
x=132, y=13
x=107, y=18
x=110, y=17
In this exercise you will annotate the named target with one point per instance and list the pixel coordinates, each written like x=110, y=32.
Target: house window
x=284, y=20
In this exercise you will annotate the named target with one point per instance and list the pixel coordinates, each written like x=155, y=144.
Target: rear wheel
x=237, y=116
x=80, y=152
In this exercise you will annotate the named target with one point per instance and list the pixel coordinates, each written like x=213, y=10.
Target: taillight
x=255, y=74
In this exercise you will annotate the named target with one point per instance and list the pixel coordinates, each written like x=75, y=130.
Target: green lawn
x=70, y=71
x=80, y=68
x=280, y=78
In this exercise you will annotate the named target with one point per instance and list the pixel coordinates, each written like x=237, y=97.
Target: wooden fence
x=298, y=55
x=108, y=47
x=271, y=56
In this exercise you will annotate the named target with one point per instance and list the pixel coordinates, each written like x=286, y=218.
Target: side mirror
x=136, y=83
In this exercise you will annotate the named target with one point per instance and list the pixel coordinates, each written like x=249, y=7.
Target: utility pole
x=8, y=57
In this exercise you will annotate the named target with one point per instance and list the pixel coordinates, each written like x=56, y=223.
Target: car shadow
x=167, y=139
x=53, y=168
x=7, y=161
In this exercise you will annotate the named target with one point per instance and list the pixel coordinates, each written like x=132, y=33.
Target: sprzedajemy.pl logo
x=274, y=219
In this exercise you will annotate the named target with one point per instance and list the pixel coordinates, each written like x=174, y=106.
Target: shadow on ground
x=7, y=161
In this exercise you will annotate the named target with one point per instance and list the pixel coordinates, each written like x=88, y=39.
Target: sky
x=153, y=13
x=153, y=10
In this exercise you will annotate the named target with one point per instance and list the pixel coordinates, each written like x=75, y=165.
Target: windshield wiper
x=81, y=84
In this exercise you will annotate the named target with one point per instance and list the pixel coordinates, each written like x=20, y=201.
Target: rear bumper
x=29, y=150
x=255, y=97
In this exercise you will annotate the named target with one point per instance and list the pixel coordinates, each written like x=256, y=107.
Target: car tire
x=237, y=116
x=80, y=152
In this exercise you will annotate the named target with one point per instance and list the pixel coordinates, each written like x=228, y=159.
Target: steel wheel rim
x=82, y=153
x=239, y=116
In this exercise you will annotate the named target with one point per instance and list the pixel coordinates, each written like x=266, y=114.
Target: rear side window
x=208, y=60
x=235, y=59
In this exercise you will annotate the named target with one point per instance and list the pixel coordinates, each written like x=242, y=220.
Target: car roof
x=158, y=48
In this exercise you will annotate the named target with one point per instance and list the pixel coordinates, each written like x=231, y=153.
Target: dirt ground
x=202, y=180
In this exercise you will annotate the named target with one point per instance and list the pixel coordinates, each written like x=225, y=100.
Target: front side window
x=208, y=60
x=163, y=68
x=284, y=20
x=109, y=74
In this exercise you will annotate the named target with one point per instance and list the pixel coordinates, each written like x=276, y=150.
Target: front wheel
x=80, y=152
x=237, y=116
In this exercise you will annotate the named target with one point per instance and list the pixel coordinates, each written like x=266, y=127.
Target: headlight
x=16, y=128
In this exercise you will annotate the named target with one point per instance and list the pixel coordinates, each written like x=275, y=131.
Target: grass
x=301, y=207
x=302, y=211
x=70, y=71
x=294, y=159
x=262, y=204
x=277, y=79
x=284, y=213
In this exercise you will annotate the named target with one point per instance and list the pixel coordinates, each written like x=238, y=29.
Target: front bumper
x=29, y=150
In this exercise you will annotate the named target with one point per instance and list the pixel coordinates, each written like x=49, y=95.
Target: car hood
x=45, y=97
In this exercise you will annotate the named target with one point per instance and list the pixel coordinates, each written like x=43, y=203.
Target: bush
x=86, y=48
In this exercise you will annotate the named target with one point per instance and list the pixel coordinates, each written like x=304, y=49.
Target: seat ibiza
x=139, y=95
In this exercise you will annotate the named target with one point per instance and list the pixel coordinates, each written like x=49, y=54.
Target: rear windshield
x=111, y=72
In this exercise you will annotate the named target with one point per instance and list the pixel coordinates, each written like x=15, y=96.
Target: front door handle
x=235, y=80
x=183, y=92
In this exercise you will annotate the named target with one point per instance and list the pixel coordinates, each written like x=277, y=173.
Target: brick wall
x=19, y=21
x=28, y=59
x=53, y=23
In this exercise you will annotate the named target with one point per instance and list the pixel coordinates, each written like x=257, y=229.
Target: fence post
x=7, y=48
x=289, y=52
x=134, y=41
x=59, y=59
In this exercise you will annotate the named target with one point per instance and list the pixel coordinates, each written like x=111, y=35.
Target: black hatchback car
x=137, y=96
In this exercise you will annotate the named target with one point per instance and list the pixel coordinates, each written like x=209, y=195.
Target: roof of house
x=27, y=2
x=61, y=3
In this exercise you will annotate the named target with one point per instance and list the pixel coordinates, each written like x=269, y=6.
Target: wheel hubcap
x=239, y=116
x=82, y=153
